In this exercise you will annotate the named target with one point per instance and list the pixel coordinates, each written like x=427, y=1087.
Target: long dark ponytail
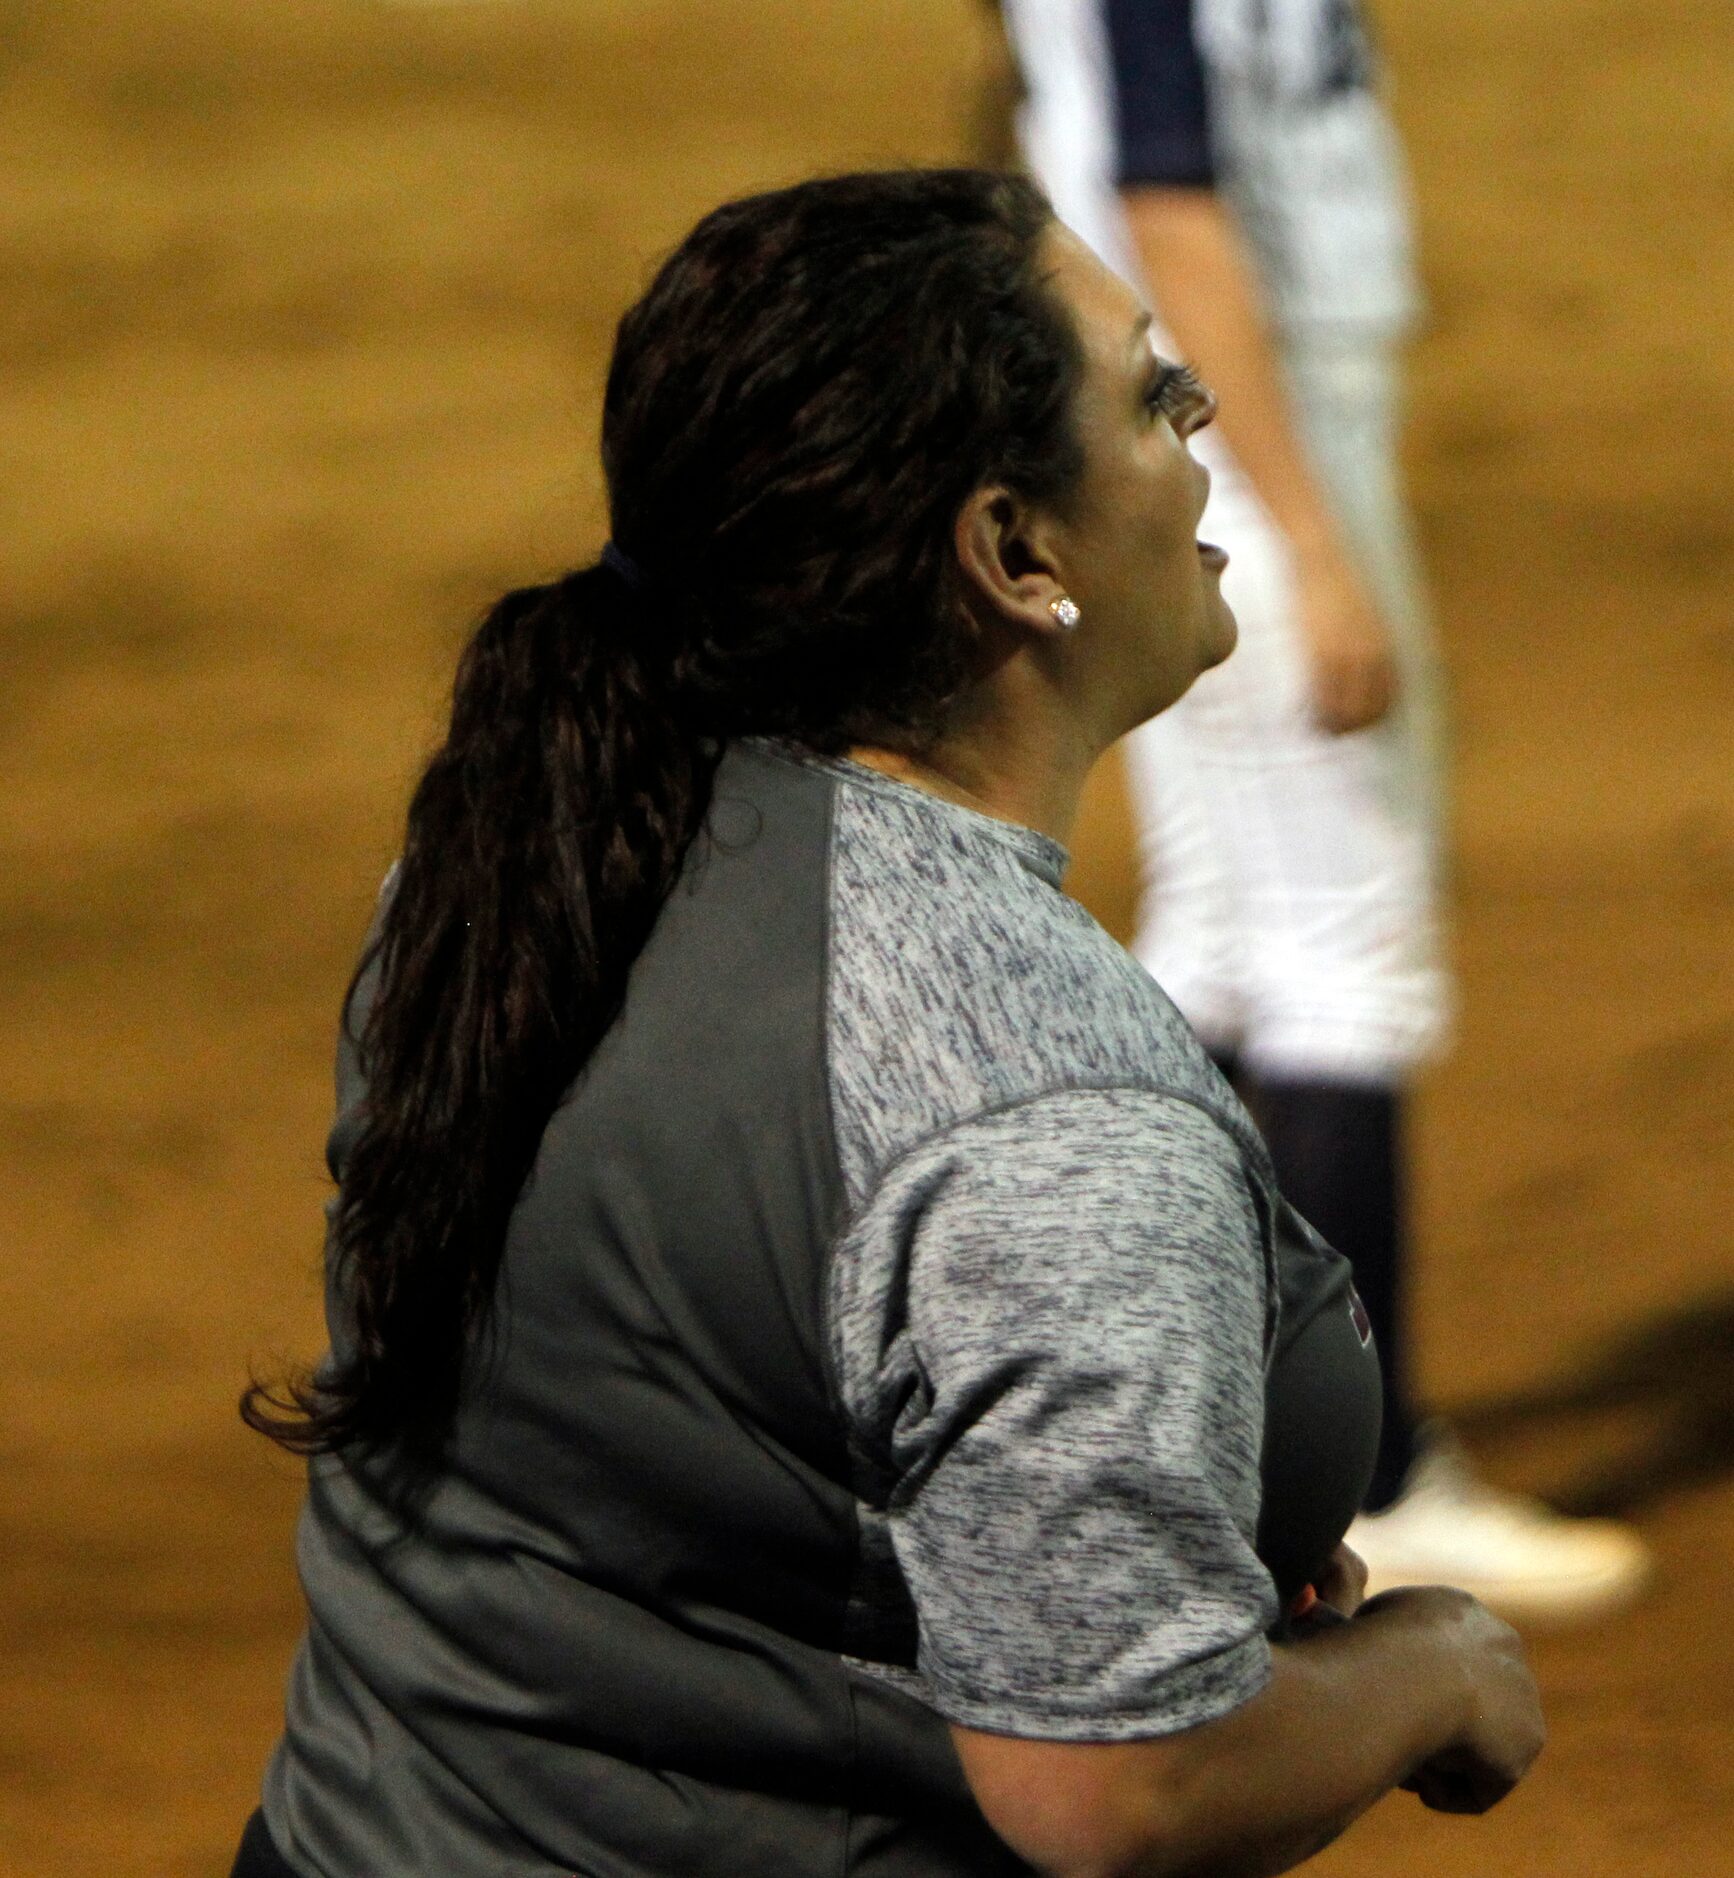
x=795, y=411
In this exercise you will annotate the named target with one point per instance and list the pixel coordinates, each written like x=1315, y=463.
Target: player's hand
x=1348, y=647
x=1502, y=1730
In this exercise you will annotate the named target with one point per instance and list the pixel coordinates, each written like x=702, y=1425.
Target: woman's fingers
x=1343, y=1582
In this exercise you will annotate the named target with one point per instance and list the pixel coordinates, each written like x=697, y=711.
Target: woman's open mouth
x=1213, y=557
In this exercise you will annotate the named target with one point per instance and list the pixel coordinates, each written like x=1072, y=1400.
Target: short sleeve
x=1161, y=102
x=1049, y=1326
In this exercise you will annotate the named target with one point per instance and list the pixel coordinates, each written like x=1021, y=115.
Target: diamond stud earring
x=1066, y=612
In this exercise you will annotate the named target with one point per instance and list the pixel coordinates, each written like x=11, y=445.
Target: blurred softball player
x=1233, y=158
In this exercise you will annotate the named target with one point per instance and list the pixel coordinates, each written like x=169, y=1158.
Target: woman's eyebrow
x=1140, y=332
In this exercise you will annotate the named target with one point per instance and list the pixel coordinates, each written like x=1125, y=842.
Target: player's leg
x=1359, y=992
x=1339, y=1159
x=1343, y=995
x=1337, y=1136
x=1284, y=907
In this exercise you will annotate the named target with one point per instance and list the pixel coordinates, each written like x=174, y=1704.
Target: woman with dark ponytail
x=821, y=1377
x=542, y=840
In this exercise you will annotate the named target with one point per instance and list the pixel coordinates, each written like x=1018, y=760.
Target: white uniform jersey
x=1066, y=122
x=1302, y=147
x=1069, y=133
x=1310, y=161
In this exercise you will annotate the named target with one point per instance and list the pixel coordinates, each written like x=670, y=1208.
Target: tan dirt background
x=302, y=313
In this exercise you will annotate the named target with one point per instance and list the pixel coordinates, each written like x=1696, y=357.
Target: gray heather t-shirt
x=1051, y=1303
x=899, y=1284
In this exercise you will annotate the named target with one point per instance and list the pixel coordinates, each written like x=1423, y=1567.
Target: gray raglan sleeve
x=1049, y=1331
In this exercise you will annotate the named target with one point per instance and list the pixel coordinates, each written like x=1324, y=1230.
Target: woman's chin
x=1225, y=638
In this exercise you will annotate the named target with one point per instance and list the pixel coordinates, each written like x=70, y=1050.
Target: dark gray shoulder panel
x=698, y=1144
x=622, y=1603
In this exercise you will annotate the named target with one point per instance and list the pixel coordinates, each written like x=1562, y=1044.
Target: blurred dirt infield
x=302, y=313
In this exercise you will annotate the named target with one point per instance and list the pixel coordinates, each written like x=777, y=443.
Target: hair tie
x=621, y=564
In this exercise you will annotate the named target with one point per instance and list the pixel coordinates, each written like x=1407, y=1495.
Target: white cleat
x=1520, y=1557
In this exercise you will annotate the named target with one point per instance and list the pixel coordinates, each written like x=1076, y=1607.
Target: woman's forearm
x=1347, y=1716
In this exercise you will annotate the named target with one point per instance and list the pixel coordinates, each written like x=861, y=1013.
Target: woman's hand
x=1331, y=1599
x=1343, y=1582
x=1501, y=1731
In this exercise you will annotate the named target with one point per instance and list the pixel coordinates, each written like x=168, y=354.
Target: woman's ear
x=1008, y=555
